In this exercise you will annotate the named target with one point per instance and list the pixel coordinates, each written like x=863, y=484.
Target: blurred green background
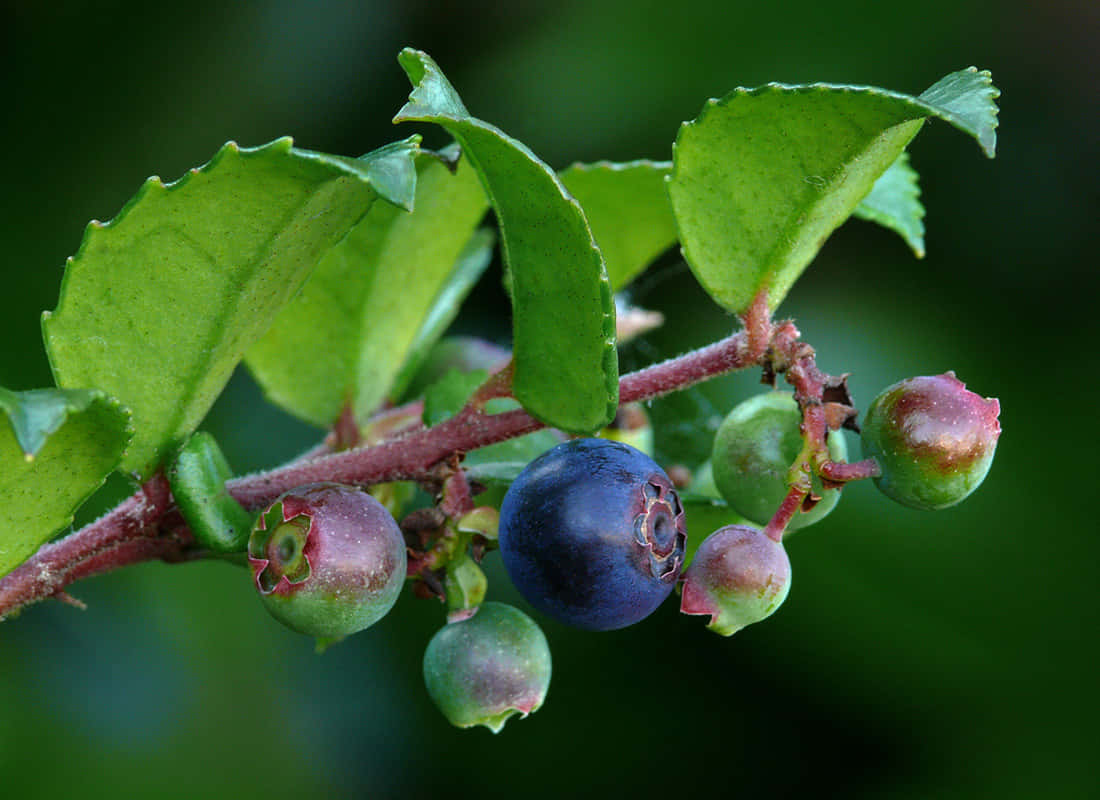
x=919, y=655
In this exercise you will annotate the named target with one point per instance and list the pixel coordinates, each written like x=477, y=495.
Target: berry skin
x=738, y=576
x=486, y=665
x=753, y=451
x=933, y=439
x=328, y=560
x=592, y=533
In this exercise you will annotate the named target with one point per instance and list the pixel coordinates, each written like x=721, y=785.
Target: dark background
x=918, y=655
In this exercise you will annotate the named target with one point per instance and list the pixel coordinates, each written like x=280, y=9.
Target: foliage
x=334, y=278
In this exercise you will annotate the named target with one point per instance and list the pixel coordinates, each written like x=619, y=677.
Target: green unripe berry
x=486, y=665
x=932, y=438
x=754, y=449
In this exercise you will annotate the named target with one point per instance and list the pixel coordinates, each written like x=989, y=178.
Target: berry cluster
x=593, y=534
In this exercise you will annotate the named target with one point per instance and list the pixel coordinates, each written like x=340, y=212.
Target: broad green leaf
x=158, y=305
x=466, y=273
x=894, y=203
x=563, y=316
x=446, y=398
x=56, y=448
x=763, y=176
x=346, y=335
x=628, y=210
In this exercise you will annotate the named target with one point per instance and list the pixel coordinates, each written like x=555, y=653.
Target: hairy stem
x=128, y=534
x=146, y=526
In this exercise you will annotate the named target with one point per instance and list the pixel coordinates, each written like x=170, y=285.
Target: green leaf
x=346, y=335
x=466, y=273
x=159, y=304
x=446, y=398
x=563, y=316
x=465, y=583
x=628, y=210
x=894, y=203
x=59, y=447
x=762, y=177
x=967, y=99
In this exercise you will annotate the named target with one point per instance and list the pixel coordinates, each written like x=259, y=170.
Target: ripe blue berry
x=328, y=560
x=754, y=449
x=486, y=666
x=592, y=533
x=933, y=439
x=738, y=576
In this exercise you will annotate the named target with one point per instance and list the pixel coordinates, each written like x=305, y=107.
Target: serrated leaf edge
x=281, y=146
x=926, y=108
x=912, y=190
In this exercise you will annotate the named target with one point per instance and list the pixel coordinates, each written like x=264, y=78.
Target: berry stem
x=843, y=473
x=787, y=509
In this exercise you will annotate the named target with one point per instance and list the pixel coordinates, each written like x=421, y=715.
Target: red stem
x=126, y=535
x=134, y=531
x=787, y=509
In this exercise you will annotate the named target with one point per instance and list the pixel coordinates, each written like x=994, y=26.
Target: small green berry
x=487, y=665
x=754, y=449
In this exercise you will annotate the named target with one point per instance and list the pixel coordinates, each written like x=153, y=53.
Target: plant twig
x=146, y=526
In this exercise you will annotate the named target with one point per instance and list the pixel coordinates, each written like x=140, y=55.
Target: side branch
x=128, y=534
x=146, y=526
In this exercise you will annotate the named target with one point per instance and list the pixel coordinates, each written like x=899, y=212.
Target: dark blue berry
x=592, y=533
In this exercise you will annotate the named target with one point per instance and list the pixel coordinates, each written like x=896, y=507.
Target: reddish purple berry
x=328, y=560
x=592, y=533
x=487, y=665
x=738, y=576
x=933, y=439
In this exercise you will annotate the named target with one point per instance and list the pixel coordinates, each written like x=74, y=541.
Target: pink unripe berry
x=738, y=576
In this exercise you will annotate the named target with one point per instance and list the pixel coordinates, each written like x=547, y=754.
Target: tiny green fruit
x=197, y=478
x=753, y=451
x=487, y=665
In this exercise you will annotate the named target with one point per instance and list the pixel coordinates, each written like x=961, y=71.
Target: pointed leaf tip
x=966, y=99
x=762, y=177
x=894, y=202
x=432, y=94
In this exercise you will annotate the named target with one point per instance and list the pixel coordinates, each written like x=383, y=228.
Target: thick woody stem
x=127, y=534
